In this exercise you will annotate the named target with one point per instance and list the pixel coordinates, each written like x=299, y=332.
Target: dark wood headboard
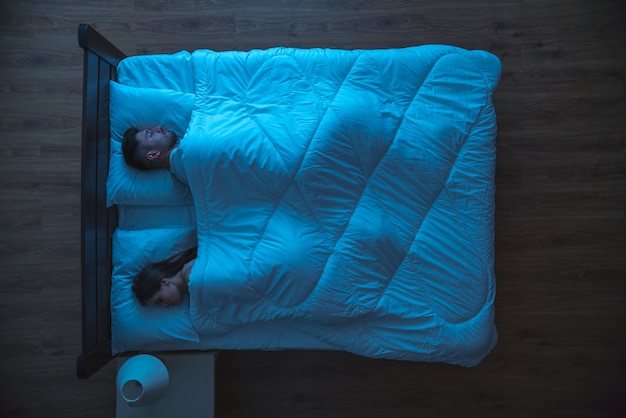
x=97, y=221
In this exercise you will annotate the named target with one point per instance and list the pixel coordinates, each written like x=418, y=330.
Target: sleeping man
x=153, y=148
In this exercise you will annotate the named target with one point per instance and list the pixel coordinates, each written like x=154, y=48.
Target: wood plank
x=331, y=30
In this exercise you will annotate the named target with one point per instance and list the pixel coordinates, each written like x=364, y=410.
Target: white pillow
x=147, y=107
x=163, y=71
x=144, y=108
x=129, y=186
x=136, y=327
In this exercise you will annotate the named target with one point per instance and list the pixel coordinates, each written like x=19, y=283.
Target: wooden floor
x=560, y=223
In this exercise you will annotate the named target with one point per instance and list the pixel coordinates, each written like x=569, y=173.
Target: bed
x=339, y=199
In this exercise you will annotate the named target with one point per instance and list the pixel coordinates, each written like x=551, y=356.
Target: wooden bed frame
x=97, y=221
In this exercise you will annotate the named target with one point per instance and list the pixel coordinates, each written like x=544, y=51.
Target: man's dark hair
x=130, y=147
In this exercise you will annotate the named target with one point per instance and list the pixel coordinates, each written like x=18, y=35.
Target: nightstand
x=190, y=392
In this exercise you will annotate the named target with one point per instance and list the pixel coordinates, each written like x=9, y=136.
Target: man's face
x=156, y=139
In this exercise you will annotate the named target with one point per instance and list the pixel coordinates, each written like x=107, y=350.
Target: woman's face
x=169, y=294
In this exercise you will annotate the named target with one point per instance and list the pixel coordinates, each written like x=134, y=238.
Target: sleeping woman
x=164, y=283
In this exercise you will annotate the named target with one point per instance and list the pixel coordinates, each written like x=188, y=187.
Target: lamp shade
x=142, y=380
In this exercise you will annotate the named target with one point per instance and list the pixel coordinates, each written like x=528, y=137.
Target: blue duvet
x=349, y=191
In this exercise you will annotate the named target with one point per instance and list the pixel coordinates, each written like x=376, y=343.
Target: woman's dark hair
x=148, y=281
